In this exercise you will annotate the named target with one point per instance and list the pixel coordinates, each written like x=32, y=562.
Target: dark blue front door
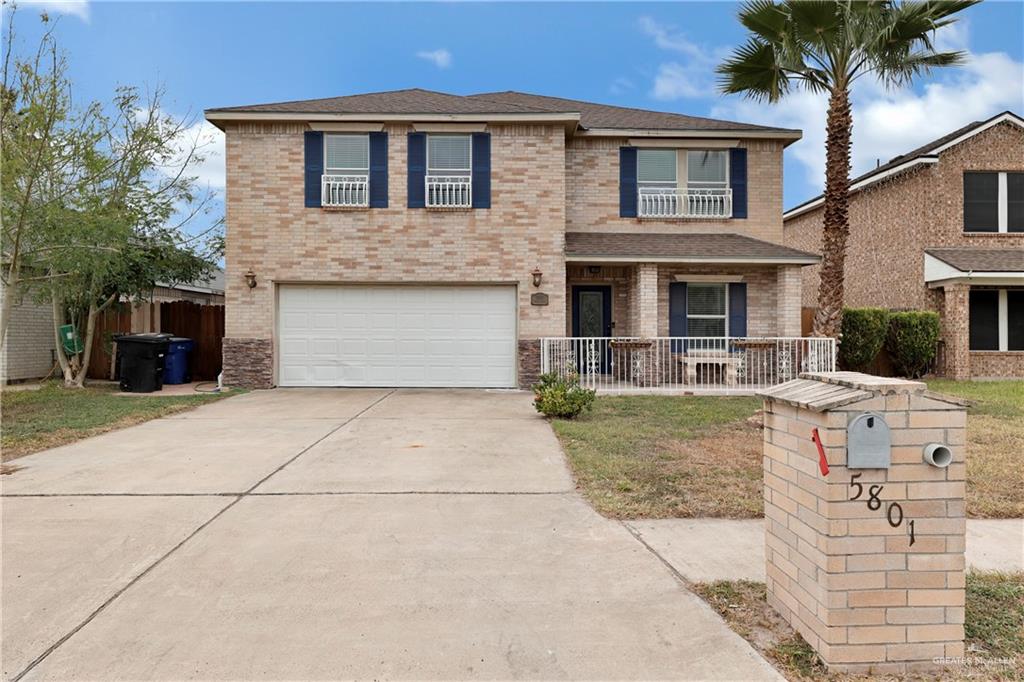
x=592, y=317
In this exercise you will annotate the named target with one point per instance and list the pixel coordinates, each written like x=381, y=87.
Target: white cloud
x=76, y=8
x=890, y=123
x=691, y=74
x=621, y=86
x=209, y=143
x=441, y=58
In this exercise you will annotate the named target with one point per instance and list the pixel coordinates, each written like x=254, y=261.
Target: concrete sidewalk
x=325, y=534
x=704, y=550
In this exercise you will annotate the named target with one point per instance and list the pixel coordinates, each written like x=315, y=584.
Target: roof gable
x=923, y=155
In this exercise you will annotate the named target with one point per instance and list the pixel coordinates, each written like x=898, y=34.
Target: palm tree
x=826, y=46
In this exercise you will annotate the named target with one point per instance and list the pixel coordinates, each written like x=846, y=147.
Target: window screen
x=449, y=154
x=981, y=202
x=1015, y=318
x=984, y=322
x=349, y=153
x=705, y=309
x=706, y=169
x=1015, y=202
x=656, y=166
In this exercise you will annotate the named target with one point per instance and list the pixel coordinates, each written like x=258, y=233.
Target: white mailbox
x=868, y=445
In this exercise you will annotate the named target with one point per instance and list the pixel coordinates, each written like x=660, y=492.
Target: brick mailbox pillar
x=866, y=561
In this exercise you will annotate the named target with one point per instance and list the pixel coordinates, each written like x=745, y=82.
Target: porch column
x=956, y=330
x=647, y=299
x=787, y=301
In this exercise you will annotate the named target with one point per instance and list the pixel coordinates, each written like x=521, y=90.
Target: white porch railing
x=449, y=191
x=345, y=191
x=672, y=202
x=686, y=364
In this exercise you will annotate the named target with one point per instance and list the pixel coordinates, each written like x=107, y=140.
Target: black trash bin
x=141, y=361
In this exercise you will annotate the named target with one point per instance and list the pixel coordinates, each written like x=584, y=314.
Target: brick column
x=956, y=330
x=787, y=301
x=647, y=300
x=868, y=563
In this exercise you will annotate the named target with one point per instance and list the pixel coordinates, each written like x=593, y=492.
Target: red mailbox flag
x=822, y=462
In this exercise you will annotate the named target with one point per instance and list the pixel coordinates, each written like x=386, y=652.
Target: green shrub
x=912, y=341
x=557, y=396
x=864, y=331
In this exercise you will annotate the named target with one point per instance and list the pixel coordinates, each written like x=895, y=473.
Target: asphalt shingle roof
x=594, y=115
x=981, y=260
x=697, y=246
x=418, y=101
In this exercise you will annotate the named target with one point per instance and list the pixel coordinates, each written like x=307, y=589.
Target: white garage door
x=397, y=335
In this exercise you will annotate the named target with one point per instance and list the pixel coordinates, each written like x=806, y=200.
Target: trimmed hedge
x=912, y=341
x=864, y=331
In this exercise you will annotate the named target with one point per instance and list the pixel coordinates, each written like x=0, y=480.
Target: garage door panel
x=397, y=335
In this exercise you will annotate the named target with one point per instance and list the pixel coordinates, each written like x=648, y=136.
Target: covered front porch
x=687, y=313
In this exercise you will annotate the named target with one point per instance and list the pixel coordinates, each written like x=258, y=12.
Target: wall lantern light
x=250, y=278
x=537, y=276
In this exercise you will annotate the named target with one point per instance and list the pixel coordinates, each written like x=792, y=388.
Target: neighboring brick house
x=416, y=238
x=940, y=228
x=29, y=351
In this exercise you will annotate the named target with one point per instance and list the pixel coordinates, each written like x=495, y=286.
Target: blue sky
x=649, y=55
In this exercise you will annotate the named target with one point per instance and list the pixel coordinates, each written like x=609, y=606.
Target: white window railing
x=449, y=191
x=683, y=202
x=345, y=191
x=686, y=364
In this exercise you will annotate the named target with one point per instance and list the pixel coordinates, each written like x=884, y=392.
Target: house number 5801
x=893, y=513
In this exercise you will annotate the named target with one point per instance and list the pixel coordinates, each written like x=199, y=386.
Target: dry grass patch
x=661, y=457
x=995, y=638
x=995, y=442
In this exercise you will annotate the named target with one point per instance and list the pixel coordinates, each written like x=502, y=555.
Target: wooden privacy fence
x=111, y=322
x=204, y=324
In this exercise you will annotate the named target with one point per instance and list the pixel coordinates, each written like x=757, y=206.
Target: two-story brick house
x=940, y=228
x=416, y=238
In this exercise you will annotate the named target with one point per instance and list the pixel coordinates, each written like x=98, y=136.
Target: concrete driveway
x=329, y=534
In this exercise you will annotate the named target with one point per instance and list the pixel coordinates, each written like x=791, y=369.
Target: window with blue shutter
x=417, y=170
x=627, y=182
x=677, y=313
x=481, y=170
x=738, y=181
x=378, y=170
x=738, y=309
x=314, y=167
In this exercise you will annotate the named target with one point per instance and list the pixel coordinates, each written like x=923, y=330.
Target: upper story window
x=705, y=193
x=993, y=202
x=346, y=177
x=449, y=181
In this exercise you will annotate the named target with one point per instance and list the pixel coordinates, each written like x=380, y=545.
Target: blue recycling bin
x=176, y=362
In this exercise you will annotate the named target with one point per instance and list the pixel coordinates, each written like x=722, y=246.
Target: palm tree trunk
x=829, y=317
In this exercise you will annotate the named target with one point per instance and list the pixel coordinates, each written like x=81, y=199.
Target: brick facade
x=543, y=184
x=272, y=233
x=28, y=351
x=895, y=220
x=839, y=571
x=592, y=192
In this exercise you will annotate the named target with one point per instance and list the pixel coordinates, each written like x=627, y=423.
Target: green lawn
x=667, y=456
x=995, y=442
x=994, y=614
x=34, y=420
x=661, y=456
